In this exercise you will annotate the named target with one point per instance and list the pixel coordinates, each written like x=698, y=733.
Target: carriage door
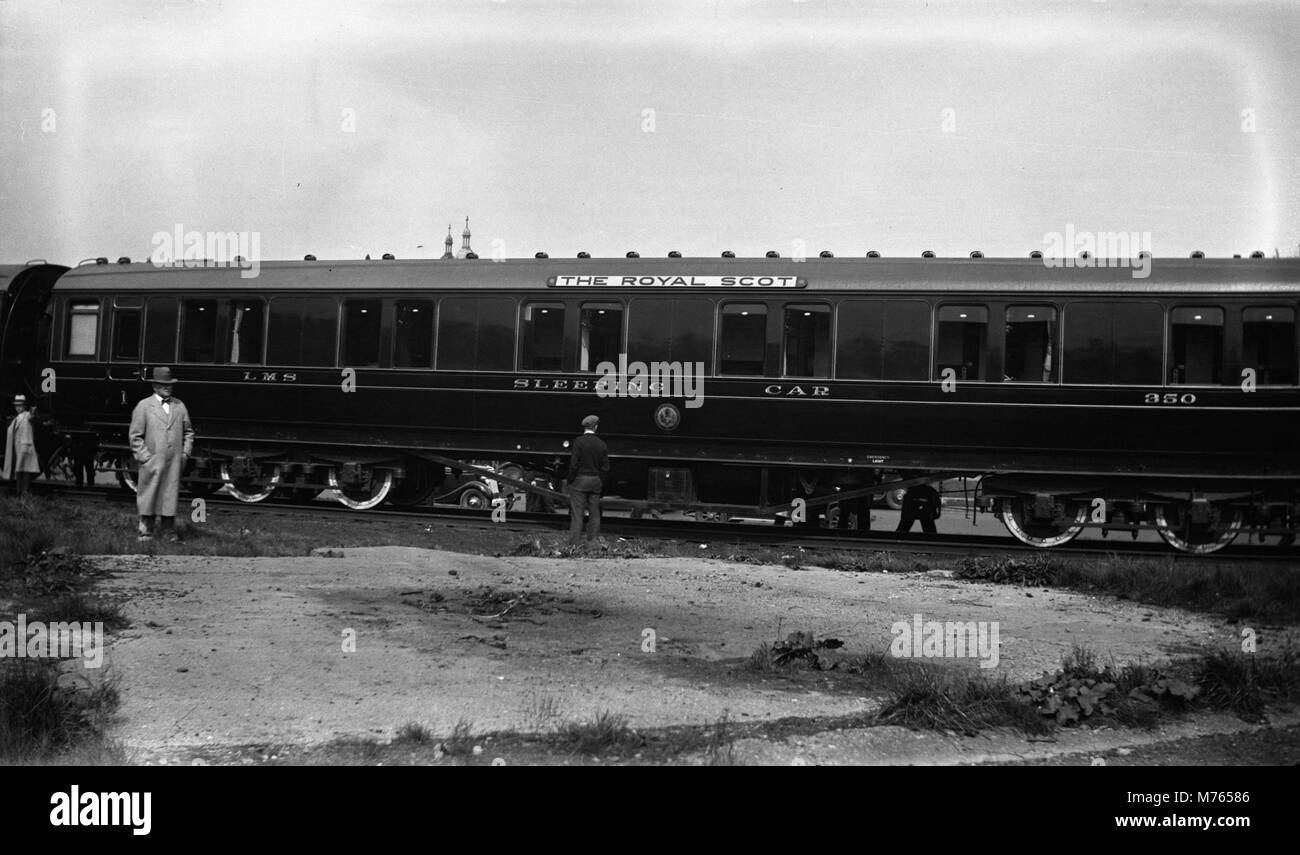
x=126, y=368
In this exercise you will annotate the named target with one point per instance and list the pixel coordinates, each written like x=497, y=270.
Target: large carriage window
x=1031, y=337
x=413, y=338
x=963, y=342
x=246, y=322
x=476, y=334
x=883, y=340
x=198, y=331
x=743, y=339
x=360, y=332
x=302, y=331
x=1268, y=346
x=1113, y=343
x=83, y=329
x=126, y=334
x=600, y=338
x=160, y=331
x=1195, y=345
x=670, y=330
x=807, y=341
x=542, y=342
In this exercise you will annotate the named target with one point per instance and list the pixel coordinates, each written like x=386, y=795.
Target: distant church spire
x=464, y=246
x=447, y=245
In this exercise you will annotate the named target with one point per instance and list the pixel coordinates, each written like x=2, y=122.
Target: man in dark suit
x=920, y=504
x=588, y=468
x=161, y=440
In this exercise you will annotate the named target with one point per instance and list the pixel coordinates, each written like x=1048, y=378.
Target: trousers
x=584, y=498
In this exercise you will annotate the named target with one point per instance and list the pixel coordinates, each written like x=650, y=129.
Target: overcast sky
x=346, y=128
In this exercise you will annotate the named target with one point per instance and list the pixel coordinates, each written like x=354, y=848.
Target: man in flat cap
x=161, y=440
x=21, y=463
x=588, y=468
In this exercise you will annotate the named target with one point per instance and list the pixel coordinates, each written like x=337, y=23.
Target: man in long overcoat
x=161, y=440
x=21, y=463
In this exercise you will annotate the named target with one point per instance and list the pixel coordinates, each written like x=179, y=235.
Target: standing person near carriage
x=21, y=462
x=588, y=468
x=161, y=440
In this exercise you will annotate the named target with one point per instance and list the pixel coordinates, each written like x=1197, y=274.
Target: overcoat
x=20, y=448
x=161, y=444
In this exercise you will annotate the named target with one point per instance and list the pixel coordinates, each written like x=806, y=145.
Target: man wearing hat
x=161, y=440
x=588, y=468
x=21, y=463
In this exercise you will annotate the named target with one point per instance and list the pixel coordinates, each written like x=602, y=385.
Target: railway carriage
x=1083, y=395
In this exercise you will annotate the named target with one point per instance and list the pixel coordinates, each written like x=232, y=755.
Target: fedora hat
x=162, y=374
x=20, y=399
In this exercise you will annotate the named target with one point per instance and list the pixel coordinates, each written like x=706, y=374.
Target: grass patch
x=1246, y=683
x=47, y=715
x=607, y=732
x=928, y=697
x=880, y=561
x=413, y=733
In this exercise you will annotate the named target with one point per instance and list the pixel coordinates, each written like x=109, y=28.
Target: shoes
x=144, y=536
x=172, y=537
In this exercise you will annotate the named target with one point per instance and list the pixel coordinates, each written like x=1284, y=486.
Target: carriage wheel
x=366, y=496
x=1039, y=532
x=1175, y=526
x=256, y=489
x=127, y=472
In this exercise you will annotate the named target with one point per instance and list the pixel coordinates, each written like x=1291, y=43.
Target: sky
x=348, y=128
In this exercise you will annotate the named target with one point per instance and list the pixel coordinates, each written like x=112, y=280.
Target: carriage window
x=1112, y=343
x=360, y=332
x=963, y=342
x=743, y=339
x=83, y=329
x=476, y=334
x=542, y=344
x=883, y=340
x=1030, y=346
x=1268, y=346
x=246, y=323
x=413, y=340
x=160, y=331
x=600, y=338
x=670, y=330
x=1195, y=345
x=199, y=331
x=126, y=334
x=302, y=331
x=807, y=341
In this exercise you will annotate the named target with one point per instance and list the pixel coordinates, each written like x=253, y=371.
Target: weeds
x=45, y=714
x=608, y=731
x=1245, y=683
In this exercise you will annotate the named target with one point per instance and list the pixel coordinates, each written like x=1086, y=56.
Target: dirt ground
x=239, y=651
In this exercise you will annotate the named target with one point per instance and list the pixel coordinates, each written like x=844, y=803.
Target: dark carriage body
x=823, y=365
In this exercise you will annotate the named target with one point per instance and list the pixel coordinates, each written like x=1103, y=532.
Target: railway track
x=699, y=531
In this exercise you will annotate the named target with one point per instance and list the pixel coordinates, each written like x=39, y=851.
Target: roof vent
x=1259, y=253
x=726, y=253
x=101, y=260
x=1144, y=254
x=873, y=254
x=540, y=255
x=826, y=253
x=1036, y=254
x=674, y=254
x=634, y=254
x=1085, y=255
x=125, y=259
x=771, y=253
x=976, y=254
x=388, y=256
x=1197, y=254
x=309, y=257
x=584, y=255
x=928, y=254
x=1236, y=255
x=471, y=256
